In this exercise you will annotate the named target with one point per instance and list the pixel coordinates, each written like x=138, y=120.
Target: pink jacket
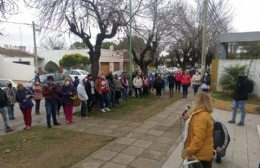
x=37, y=92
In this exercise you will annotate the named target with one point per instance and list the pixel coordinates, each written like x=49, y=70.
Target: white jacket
x=138, y=83
x=82, y=95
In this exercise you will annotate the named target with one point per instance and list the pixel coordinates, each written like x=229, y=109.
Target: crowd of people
x=108, y=89
x=202, y=134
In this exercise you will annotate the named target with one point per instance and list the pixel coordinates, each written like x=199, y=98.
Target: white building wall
x=14, y=71
x=56, y=55
x=254, y=71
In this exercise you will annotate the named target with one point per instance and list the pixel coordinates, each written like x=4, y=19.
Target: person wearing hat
x=51, y=93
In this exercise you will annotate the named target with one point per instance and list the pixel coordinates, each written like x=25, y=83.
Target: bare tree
x=84, y=16
x=52, y=43
x=8, y=7
x=150, y=27
x=187, y=39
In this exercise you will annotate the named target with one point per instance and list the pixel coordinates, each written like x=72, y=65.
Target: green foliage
x=138, y=44
x=229, y=77
x=74, y=60
x=51, y=67
x=250, y=50
x=106, y=45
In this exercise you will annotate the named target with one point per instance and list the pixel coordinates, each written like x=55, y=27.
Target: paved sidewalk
x=156, y=142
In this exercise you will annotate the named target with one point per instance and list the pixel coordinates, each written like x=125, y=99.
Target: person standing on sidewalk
x=3, y=110
x=90, y=89
x=51, y=93
x=23, y=97
x=240, y=98
x=196, y=82
x=138, y=83
x=67, y=92
x=83, y=98
x=103, y=90
x=146, y=85
x=37, y=96
x=198, y=135
x=171, y=82
x=10, y=92
x=185, y=82
x=118, y=86
x=178, y=77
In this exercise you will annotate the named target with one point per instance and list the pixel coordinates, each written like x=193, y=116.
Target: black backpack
x=250, y=86
x=3, y=99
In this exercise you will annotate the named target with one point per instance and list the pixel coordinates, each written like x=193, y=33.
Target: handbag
x=75, y=101
x=192, y=163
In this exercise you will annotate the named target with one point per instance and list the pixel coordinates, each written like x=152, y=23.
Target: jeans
x=158, y=92
x=241, y=105
x=84, y=108
x=124, y=94
x=139, y=90
x=117, y=96
x=10, y=109
x=91, y=101
x=145, y=91
x=171, y=91
x=205, y=164
x=112, y=97
x=37, y=106
x=51, y=107
x=185, y=90
x=195, y=88
x=3, y=111
x=104, y=100
x=178, y=86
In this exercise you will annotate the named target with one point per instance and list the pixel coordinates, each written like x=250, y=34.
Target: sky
x=246, y=19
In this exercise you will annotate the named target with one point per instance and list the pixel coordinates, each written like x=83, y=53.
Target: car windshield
x=84, y=72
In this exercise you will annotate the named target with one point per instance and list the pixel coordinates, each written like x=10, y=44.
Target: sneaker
x=107, y=109
x=103, y=110
x=240, y=124
x=8, y=130
x=231, y=122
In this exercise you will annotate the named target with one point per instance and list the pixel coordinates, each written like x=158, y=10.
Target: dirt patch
x=41, y=148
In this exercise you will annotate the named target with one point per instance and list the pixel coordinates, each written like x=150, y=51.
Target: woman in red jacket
x=185, y=82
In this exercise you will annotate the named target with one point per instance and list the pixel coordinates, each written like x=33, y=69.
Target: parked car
x=120, y=73
x=172, y=69
x=81, y=74
x=58, y=79
x=4, y=82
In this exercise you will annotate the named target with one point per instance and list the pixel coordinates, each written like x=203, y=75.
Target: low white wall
x=254, y=71
x=14, y=71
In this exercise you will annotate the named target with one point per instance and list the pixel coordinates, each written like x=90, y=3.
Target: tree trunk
x=144, y=69
x=95, y=66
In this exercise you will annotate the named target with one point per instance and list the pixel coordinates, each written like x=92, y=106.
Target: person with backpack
x=10, y=92
x=240, y=97
x=221, y=140
x=3, y=109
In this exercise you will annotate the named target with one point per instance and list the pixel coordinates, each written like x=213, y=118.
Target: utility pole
x=130, y=49
x=35, y=49
x=204, y=37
